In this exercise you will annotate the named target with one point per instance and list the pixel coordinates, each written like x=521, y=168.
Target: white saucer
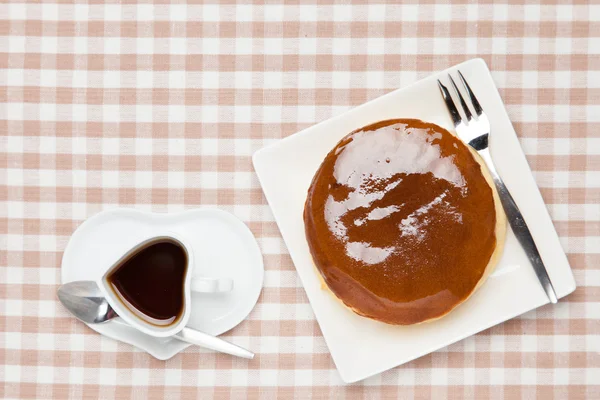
x=223, y=247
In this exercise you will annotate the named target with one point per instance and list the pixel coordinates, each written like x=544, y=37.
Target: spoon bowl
x=85, y=301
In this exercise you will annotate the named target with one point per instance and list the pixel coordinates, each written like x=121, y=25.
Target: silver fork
x=476, y=131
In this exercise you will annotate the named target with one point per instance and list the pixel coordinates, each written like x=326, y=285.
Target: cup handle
x=211, y=285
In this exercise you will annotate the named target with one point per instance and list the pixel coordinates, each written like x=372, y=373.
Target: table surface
x=160, y=107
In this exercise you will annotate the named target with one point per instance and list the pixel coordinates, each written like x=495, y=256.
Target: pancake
x=403, y=221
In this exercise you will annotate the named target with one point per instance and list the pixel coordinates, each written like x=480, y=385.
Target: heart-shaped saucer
x=223, y=246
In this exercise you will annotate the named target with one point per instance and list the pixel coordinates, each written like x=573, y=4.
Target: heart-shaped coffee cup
x=121, y=284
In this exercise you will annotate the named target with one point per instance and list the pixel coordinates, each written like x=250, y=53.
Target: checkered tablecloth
x=160, y=107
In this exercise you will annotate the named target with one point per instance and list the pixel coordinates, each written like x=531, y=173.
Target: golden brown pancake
x=402, y=221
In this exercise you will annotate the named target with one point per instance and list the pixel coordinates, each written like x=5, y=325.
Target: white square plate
x=359, y=346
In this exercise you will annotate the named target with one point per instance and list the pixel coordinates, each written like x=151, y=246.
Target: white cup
x=196, y=284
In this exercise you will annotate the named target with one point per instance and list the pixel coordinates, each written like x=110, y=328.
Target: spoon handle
x=211, y=342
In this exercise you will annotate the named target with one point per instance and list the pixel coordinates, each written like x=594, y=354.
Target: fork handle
x=520, y=228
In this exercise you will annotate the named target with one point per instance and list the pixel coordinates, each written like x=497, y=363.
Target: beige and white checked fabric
x=159, y=106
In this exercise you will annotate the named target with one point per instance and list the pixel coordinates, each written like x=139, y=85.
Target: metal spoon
x=87, y=303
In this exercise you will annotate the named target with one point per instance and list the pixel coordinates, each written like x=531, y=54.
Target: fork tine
x=476, y=105
x=454, y=114
x=463, y=103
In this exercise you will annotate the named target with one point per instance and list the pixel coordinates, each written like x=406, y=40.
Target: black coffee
x=151, y=282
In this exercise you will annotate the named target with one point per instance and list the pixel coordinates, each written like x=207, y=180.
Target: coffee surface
x=400, y=221
x=151, y=282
